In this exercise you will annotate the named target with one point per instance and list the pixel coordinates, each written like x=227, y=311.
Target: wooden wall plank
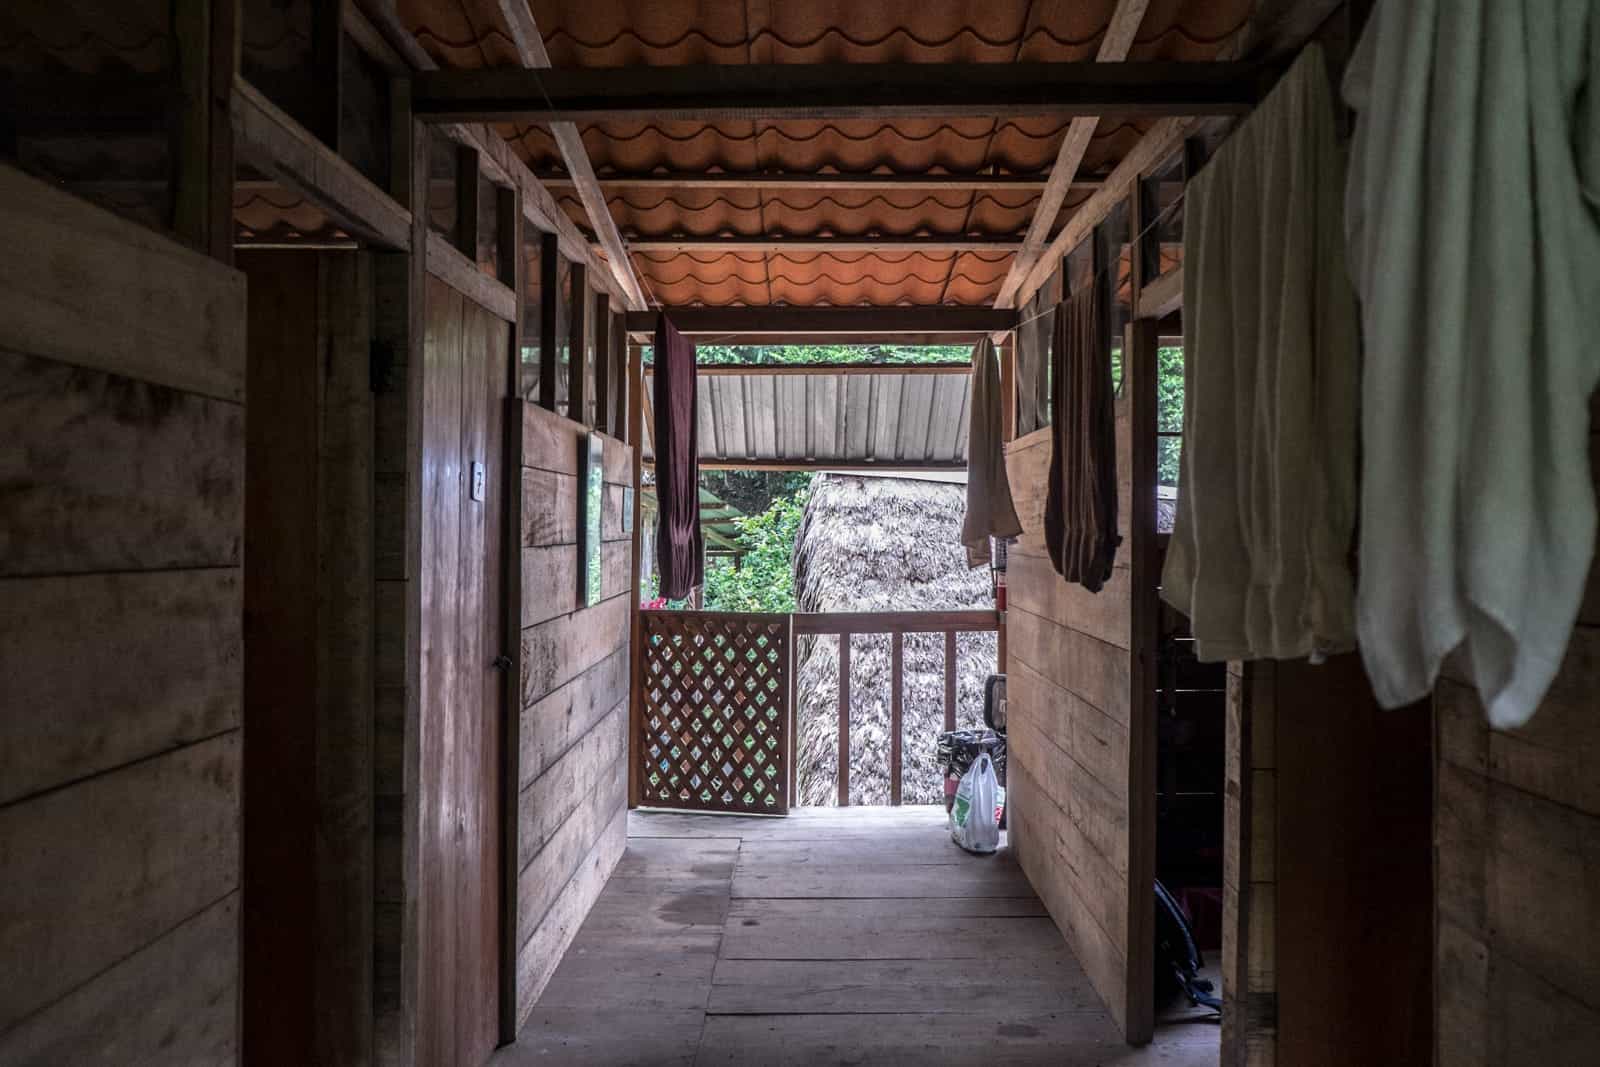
x=174, y=637
x=553, y=723
x=97, y=872
x=557, y=651
x=112, y=473
x=178, y=995
x=159, y=312
x=1085, y=666
x=569, y=782
x=538, y=958
x=552, y=866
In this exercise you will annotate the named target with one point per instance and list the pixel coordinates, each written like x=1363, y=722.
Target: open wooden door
x=463, y=636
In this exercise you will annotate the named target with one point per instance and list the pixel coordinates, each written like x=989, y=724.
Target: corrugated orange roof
x=615, y=33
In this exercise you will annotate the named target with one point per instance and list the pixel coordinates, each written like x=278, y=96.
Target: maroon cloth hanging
x=1080, y=512
x=680, y=557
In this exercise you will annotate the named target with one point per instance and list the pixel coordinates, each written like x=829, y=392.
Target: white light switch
x=478, y=479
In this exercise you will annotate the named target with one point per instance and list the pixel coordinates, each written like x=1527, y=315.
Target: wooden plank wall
x=1070, y=697
x=573, y=732
x=1517, y=846
x=308, y=772
x=122, y=388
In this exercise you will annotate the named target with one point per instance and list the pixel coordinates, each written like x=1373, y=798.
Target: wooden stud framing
x=604, y=384
x=578, y=368
x=275, y=144
x=635, y=409
x=549, y=310
x=1139, y=372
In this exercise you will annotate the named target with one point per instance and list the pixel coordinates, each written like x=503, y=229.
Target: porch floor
x=832, y=936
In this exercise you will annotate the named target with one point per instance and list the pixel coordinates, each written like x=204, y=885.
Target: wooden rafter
x=1114, y=47
x=1278, y=28
x=836, y=90
x=497, y=157
x=531, y=51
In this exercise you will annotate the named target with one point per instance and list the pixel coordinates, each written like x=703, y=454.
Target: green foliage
x=1169, y=411
x=764, y=579
x=753, y=492
x=769, y=354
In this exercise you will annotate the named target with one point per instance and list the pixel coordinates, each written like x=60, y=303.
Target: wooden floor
x=854, y=936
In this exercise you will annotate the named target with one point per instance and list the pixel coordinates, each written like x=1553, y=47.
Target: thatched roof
x=884, y=544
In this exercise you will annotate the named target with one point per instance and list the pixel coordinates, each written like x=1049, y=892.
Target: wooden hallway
x=832, y=936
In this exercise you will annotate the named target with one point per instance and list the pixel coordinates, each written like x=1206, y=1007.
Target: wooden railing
x=896, y=624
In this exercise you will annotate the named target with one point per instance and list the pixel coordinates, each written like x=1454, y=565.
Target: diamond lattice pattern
x=716, y=706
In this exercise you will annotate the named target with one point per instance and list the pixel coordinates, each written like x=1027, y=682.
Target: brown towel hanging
x=679, y=553
x=1080, y=515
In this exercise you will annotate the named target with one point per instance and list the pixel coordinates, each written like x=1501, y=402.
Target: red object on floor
x=1204, y=908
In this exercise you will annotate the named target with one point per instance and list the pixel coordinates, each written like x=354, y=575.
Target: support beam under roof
x=531, y=51
x=836, y=90
x=908, y=243
x=1114, y=45
x=825, y=321
x=874, y=183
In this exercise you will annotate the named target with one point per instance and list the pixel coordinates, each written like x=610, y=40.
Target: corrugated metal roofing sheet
x=756, y=414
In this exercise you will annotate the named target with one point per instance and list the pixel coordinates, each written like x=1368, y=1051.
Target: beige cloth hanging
x=990, y=512
x=1259, y=558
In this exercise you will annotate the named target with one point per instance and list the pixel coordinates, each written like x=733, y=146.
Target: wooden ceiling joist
x=932, y=183
x=835, y=90
x=531, y=51
x=908, y=243
x=827, y=321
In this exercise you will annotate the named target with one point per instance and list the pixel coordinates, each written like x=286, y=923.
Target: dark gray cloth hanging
x=1080, y=514
x=680, y=555
x=1033, y=360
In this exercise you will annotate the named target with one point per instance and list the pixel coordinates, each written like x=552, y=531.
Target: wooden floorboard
x=832, y=936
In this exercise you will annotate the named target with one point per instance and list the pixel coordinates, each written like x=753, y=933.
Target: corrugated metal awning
x=829, y=417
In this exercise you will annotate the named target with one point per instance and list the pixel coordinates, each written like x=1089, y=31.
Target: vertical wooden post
x=467, y=201
x=327, y=64
x=635, y=409
x=949, y=680
x=896, y=697
x=603, y=382
x=578, y=334
x=844, y=720
x=549, y=308
x=1139, y=372
x=207, y=33
x=508, y=239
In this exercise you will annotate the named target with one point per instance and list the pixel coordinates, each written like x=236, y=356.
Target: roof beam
x=496, y=156
x=531, y=51
x=1114, y=47
x=965, y=183
x=281, y=148
x=1278, y=28
x=909, y=243
x=835, y=90
x=824, y=321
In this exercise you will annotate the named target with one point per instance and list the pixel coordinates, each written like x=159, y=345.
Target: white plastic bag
x=973, y=823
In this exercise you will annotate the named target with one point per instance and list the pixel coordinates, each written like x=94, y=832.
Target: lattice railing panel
x=715, y=711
